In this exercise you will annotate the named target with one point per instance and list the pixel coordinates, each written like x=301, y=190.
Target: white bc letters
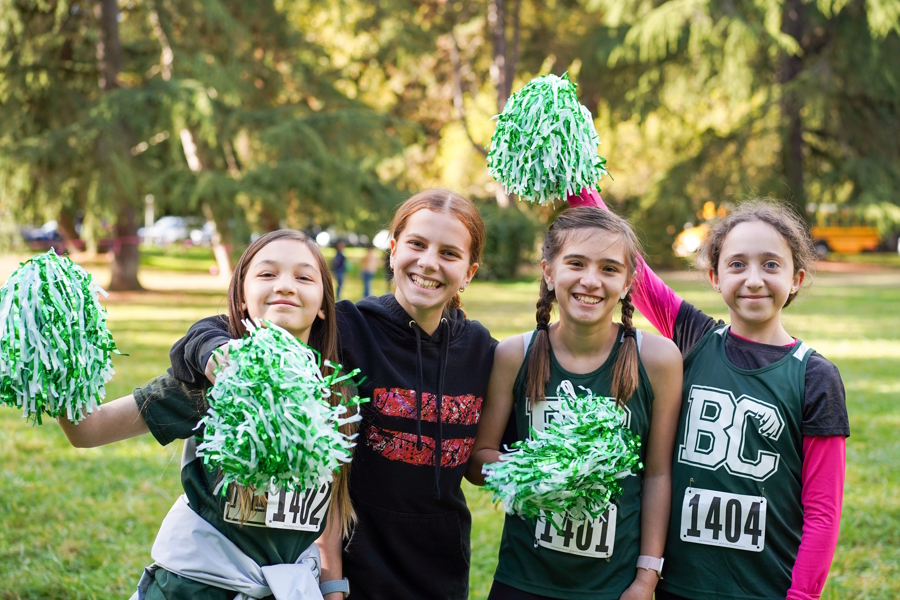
x=714, y=435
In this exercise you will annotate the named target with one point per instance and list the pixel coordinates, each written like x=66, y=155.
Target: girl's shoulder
x=658, y=352
x=510, y=352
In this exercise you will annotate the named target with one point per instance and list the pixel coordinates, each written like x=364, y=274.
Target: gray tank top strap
x=526, y=339
x=638, y=338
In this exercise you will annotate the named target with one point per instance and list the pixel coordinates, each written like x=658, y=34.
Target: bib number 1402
x=723, y=519
x=298, y=510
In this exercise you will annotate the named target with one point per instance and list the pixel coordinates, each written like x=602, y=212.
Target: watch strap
x=651, y=563
x=335, y=585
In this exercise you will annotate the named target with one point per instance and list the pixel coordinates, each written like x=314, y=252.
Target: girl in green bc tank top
x=283, y=278
x=589, y=261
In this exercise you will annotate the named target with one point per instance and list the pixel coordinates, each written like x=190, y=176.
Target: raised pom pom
x=545, y=145
x=572, y=467
x=269, y=422
x=55, y=349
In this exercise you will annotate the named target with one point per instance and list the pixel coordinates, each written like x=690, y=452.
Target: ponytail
x=538, y=371
x=625, y=371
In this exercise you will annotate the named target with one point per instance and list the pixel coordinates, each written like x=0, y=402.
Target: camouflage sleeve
x=171, y=408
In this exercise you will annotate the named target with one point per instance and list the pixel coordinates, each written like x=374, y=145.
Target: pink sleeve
x=650, y=294
x=822, y=494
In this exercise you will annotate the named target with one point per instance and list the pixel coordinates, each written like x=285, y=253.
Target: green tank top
x=279, y=531
x=581, y=559
x=736, y=479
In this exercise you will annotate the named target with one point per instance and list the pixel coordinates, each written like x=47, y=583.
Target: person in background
x=339, y=266
x=370, y=265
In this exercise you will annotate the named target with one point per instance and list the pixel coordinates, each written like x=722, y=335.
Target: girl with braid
x=589, y=261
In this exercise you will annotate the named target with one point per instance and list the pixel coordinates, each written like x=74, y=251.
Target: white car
x=167, y=230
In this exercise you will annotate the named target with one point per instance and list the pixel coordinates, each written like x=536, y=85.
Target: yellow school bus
x=843, y=239
x=851, y=239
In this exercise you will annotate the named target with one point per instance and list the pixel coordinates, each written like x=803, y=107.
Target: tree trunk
x=124, y=268
x=791, y=105
x=126, y=253
x=219, y=250
x=65, y=225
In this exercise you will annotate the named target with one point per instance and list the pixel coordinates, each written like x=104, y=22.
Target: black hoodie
x=412, y=537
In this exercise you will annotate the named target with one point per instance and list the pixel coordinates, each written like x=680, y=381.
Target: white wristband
x=651, y=564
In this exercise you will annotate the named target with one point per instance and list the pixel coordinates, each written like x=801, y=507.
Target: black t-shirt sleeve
x=171, y=408
x=691, y=324
x=824, y=403
x=190, y=354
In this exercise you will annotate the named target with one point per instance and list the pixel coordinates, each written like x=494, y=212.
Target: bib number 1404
x=723, y=519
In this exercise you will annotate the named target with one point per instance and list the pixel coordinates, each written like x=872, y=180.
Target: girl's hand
x=642, y=587
x=212, y=364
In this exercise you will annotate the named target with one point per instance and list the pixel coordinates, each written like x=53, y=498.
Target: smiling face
x=430, y=259
x=755, y=275
x=283, y=284
x=588, y=275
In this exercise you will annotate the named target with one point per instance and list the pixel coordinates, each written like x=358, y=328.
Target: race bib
x=586, y=538
x=723, y=519
x=256, y=517
x=298, y=510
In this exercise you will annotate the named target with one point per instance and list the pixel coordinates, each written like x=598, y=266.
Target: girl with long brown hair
x=214, y=545
x=426, y=368
x=589, y=262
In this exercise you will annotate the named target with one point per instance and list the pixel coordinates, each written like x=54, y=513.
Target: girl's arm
x=822, y=494
x=662, y=361
x=508, y=359
x=115, y=421
x=329, y=544
x=190, y=355
x=650, y=294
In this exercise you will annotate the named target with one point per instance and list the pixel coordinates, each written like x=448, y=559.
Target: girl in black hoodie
x=426, y=368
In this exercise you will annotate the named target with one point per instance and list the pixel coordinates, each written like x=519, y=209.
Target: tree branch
x=458, y=93
x=166, y=56
x=513, y=63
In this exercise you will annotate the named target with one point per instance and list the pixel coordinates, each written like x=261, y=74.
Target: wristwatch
x=335, y=585
x=651, y=564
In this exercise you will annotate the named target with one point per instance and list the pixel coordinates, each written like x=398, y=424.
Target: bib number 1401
x=592, y=538
x=298, y=510
x=723, y=519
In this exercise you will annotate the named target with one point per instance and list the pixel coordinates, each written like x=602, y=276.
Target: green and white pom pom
x=572, y=467
x=269, y=421
x=55, y=349
x=545, y=145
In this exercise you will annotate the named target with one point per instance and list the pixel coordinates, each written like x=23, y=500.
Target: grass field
x=80, y=523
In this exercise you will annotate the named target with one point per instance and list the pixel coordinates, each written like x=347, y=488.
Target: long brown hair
x=625, y=371
x=323, y=337
x=439, y=200
x=781, y=217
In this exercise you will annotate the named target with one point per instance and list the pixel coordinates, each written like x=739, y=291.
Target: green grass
x=80, y=523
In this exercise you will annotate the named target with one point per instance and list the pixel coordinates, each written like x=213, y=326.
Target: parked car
x=169, y=230
x=44, y=237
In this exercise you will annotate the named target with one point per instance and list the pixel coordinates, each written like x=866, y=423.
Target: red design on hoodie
x=397, y=402
x=396, y=445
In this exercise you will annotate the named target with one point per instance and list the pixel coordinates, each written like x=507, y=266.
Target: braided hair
x=625, y=371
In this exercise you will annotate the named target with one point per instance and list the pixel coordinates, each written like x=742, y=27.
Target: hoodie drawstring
x=439, y=443
x=419, y=379
x=439, y=400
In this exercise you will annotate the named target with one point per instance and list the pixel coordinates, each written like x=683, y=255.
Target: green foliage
x=716, y=86
x=512, y=234
x=225, y=105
